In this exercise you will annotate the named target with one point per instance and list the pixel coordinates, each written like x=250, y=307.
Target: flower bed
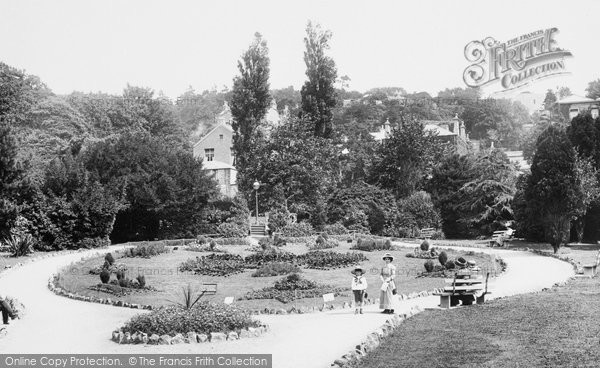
x=370, y=244
x=204, y=318
x=146, y=250
x=214, y=265
x=294, y=287
x=276, y=269
x=328, y=260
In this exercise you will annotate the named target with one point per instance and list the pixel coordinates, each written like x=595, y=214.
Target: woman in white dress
x=388, y=286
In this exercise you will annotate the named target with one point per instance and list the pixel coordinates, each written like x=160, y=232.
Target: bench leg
x=445, y=301
x=589, y=271
x=481, y=299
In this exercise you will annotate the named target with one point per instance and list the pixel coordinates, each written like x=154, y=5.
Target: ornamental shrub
x=335, y=229
x=450, y=265
x=298, y=229
x=370, y=244
x=105, y=276
x=443, y=258
x=147, y=250
x=233, y=230
x=429, y=266
x=141, y=279
x=425, y=245
x=109, y=258
x=120, y=275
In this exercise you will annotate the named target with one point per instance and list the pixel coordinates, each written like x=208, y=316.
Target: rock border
x=373, y=340
x=121, y=337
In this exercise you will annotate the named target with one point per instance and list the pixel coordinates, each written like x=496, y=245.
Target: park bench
x=208, y=289
x=464, y=288
x=591, y=269
x=499, y=237
x=427, y=233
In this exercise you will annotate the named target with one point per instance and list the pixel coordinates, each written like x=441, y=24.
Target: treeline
x=83, y=169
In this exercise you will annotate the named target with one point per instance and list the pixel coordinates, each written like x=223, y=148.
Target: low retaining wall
x=120, y=337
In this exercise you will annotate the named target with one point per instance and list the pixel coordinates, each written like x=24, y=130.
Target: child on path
x=6, y=310
x=359, y=285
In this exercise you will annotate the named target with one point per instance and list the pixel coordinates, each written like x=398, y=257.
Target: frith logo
x=516, y=62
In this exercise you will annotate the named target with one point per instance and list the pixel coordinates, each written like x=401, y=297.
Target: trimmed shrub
x=204, y=317
x=323, y=242
x=141, y=279
x=120, y=275
x=335, y=229
x=298, y=229
x=201, y=239
x=276, y=269
x=370, y=244
x=450, y=265
x=233, y=230
x=429, y=266
x=109, y=259
x=105, y=276
x=425, y=245
x=443, y=258
x=146, y=250
x=124, y=282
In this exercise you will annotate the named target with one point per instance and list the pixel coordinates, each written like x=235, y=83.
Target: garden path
x=56, y=324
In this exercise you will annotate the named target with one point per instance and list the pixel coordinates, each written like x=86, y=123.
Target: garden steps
x=260, y=230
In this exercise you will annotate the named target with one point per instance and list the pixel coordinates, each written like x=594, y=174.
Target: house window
x=209, y=154
x=221, y=136
x=232, y=157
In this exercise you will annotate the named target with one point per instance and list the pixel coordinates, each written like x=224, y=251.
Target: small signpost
x=328, y=297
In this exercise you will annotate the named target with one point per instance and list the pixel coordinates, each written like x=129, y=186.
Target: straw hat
x=358, y=269
x=387, y=255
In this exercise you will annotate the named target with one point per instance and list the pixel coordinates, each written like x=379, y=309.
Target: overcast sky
x=419, y=45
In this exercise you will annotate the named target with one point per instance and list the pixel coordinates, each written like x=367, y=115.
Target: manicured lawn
x=557, y=328
x=581, y=253
x=162, y=273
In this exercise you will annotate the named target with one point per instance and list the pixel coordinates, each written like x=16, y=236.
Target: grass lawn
x=557, y=328
x=162, y=273
x=581, y=253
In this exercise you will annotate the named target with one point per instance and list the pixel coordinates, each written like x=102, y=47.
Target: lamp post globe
x=256, y=185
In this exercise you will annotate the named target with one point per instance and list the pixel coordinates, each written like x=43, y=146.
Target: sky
x=92, y=46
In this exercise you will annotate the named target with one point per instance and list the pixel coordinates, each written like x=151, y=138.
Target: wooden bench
x=465, y=289
x=591, y=269
x=208, y=289
x=499, y=237
x=427, y=233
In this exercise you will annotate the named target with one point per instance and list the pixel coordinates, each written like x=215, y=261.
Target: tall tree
x=406, y=158
x=553, y=189
x=318, y=92
x=11, y=174
x=593, y=89
x=549, y=100
x=249, y=104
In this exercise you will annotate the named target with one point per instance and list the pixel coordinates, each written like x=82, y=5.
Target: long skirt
x=386, y=298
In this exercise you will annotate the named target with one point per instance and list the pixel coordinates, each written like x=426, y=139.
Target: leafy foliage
x=214, y=265
x=203, y=318
x=275, y=269
x=147, y=250
x=371, y=245
x=291, y=288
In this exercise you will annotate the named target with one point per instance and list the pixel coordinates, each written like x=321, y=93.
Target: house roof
x=223, y=124
x=441, y=131
x=573, y=99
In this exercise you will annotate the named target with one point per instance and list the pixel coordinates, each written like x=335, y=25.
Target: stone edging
x=373, y=340
x=120, y=337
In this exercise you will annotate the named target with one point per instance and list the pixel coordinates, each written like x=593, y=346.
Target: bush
x=429, y=266
x=370, y=244
x=90, y=243
x=120, y=275
x=124, y=282
x=450, y=265
x=278, y=219
x=233, y=230
x=214, y=265
x=297, y=229
x=443, y=258
x=201, y=239
x=323, y=243
x=423, y=254
x=105, y=276
x=276, y=269
x=231, y=241
x=425, y=245
x=111, y=269
x=328, y=260
x=109, y=259
x=147, y=250
x=204, y=318
x=335, y=229
x=141, y=279
x=20, y=245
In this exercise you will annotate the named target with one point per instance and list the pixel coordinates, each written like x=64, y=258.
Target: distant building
x=534, y=102
x=450, y=131
x=216, y=148
x=578, y=104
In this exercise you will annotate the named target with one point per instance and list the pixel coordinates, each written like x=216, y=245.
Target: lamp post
x=256, y=185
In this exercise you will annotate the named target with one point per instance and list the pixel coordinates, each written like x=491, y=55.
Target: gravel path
x=56, y=324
